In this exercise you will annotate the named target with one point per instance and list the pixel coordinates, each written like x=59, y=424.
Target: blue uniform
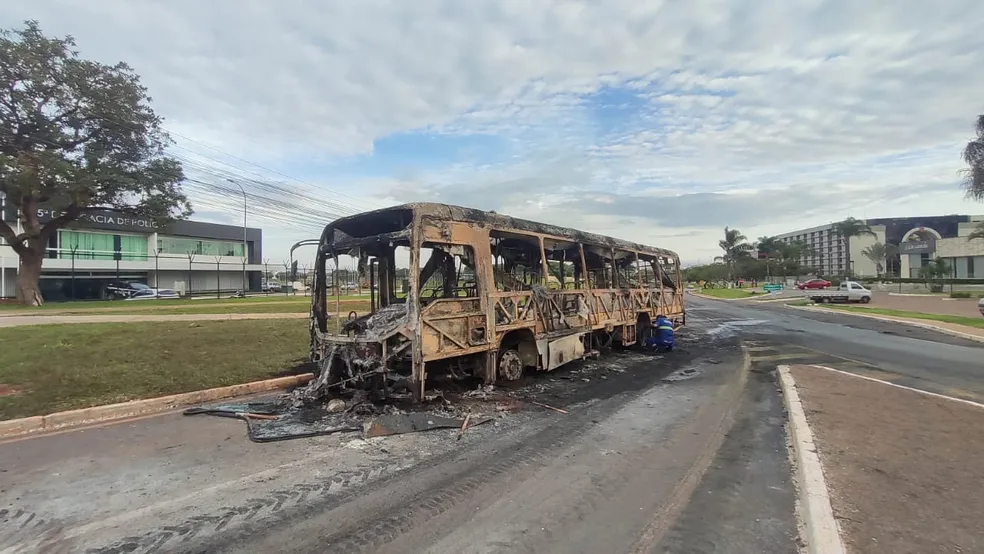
x=663, y=338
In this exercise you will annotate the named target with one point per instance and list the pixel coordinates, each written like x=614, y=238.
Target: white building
x=919, y=240
x=103, y=248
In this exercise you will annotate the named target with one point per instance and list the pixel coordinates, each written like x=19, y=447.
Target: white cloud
x=845, y=107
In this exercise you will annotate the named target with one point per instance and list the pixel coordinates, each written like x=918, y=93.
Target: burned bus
x=479, y=295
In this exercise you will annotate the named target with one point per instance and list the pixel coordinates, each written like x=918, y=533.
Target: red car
x=814, y=284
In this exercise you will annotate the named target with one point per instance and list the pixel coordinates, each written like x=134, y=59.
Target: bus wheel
x=510, y=365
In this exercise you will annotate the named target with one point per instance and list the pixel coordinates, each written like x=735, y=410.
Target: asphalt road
x=641, y=463
x=909, y=355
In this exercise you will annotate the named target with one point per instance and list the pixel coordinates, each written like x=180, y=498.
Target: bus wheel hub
x=510, y=365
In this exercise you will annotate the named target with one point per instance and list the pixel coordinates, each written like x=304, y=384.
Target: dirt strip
x=904, y=469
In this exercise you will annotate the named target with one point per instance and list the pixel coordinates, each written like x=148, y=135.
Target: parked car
x=814, y=284
x=848, y=291
x=270, y=287
x=980, y=306
x=124, y=289
x=154, y=294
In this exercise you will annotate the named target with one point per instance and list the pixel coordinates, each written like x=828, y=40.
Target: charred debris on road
x=313, y=410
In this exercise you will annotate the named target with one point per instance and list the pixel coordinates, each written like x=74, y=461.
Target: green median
x=163, y=307
x=728, y=293
x=50, y=368
x=88, y=306
x=955, y=319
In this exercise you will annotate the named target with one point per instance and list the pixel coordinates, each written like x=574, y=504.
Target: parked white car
x=980, y=306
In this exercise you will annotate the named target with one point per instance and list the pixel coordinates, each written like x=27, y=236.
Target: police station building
x=105, y=248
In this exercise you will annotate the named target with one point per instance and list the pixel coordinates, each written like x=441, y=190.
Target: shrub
x=960, y=294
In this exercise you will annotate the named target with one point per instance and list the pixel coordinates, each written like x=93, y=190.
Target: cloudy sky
x=657, y=121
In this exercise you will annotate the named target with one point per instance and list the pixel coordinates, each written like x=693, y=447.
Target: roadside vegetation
x=63, y=367
x=959, y=320
x=728, y=293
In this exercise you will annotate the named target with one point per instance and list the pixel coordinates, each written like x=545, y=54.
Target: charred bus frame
x=497, y=295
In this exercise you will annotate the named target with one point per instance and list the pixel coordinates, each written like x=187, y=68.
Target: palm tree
x=735, y=248
x=973, y=154
x=770, y=247
x=934, y=273
x=851, y=227
x=977, y=233
x=877, y=253
x=792, y=254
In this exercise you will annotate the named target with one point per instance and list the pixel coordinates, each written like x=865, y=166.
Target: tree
x=977, y=233
x=790, y=256
x=848, y=228
x=735, y=248
x=973, y=155
x=770, y=247
x=76, y=136
x=877, y=253
x=934, y=273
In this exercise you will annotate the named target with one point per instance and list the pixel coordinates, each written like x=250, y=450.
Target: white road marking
x=889, y=383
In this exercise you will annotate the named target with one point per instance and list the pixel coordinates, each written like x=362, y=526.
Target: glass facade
x=90, y=245
x=178, y=245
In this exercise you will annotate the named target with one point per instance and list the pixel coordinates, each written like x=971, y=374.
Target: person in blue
x=662, y=339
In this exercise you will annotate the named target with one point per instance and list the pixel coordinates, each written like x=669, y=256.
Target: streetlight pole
x=245, y=249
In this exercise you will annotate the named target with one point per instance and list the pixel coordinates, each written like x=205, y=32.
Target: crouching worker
x=662, y=339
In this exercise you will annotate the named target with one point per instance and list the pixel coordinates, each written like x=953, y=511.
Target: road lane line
x=889, y=383
x=822, y=532
x=779, y=357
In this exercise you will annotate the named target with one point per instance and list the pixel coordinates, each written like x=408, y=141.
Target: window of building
x=176, y=245
x=89, y=245
x=970, y=267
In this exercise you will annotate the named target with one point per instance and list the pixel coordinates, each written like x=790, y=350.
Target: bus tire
x=510, y=365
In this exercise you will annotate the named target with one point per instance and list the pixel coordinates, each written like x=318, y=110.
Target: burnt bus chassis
x=492, y=333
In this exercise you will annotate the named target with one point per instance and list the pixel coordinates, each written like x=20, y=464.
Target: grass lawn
x=103, y=304
x=728, y=293
x=215, y=308
x=295, y=304
x=61, y=367
x=959, y=320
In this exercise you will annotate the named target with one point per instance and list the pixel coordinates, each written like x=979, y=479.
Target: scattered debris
x=509, y=404
x=336, y=405
x=251, y=415
x=687, y=373
x=464, y=427
x=481, y=392
x=548, y=406
x=398, y=424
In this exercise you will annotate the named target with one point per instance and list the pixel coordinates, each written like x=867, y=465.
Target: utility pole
x=245, y=249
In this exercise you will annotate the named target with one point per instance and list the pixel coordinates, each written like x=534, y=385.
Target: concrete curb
x=100, y=414
x=903, y=321
x=821, y=530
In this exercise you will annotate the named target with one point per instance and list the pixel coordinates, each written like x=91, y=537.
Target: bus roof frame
x=449, y=212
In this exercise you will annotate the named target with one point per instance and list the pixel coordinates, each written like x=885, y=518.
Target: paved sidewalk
x=904, y=468
x=17, y=321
